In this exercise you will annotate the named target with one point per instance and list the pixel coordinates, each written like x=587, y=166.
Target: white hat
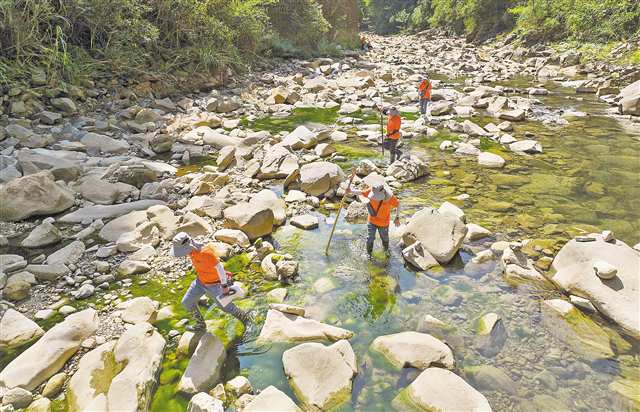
x=380, y=192
x=183, y=244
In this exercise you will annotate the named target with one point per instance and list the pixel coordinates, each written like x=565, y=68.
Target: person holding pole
x=424, y=90
x=391, y=139
x=381, y=202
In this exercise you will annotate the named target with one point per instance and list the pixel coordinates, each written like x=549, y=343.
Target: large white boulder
x=268, y=198
x=34, y=195
x=17, y=329
x=284, y=327
x=441, y=390
x=271, y=399
x=49, y=354
x=413, y=349
x=319, y=177
x=630, y=99
x=204, y=367
x=617, y=298
x=119, y=375
x=440, y=234
x=254, y=220
x=320, y=376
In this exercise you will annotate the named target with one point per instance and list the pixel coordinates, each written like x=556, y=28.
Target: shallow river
x=587, y=179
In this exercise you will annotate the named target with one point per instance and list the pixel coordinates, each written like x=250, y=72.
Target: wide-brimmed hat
x=380, y=192
x=183, y=244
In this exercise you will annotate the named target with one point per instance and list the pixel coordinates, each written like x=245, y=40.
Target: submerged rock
x=320, y=376
x=413, y=349
x=617, y=298
x=438, y=389
x=492, y=334
x=281, y=327
x=576, y=330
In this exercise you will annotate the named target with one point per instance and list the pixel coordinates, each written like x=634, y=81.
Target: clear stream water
x=587, y=179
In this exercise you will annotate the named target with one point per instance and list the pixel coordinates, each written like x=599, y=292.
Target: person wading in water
x=381, y=202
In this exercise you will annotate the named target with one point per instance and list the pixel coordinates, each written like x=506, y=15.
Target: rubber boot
x=200, y=325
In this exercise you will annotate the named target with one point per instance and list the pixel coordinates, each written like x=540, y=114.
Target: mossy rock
x=501, y=179
x=496, y=205
x=577, y=330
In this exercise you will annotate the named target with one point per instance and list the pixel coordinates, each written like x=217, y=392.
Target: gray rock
x=90, y=213
x=97, y=144
x=48, y=273
x=17, y=397
x=64, y=104
x=42, y=235
x=68, y=255
x=33, y=195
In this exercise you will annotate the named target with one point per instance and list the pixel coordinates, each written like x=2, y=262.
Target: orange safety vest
x=205, y=262
x=382, y=208
x=425, y=89
x=393, y=127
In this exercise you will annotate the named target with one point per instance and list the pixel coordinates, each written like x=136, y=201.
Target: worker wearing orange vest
x=424, y=90
x=392, y=137
x=381, y=202
x=211, y=279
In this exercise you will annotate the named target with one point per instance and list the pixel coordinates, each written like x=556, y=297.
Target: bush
x=73, y=38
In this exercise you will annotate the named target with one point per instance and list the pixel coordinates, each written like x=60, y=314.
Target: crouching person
x=211, y=279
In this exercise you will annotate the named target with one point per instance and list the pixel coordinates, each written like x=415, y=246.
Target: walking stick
x=335, y=223
x=382, y=132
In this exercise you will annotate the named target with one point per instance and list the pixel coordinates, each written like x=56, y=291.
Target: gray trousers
x=197, y=289
x=392, y=146
x=424, y=104
x=371, y=237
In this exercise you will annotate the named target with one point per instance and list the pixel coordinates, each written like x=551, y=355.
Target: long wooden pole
x=335, y=223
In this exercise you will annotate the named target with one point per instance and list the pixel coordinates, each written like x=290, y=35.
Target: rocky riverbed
x=513, y=283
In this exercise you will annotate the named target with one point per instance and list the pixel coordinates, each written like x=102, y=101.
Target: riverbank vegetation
x=533, y=20
x=72, y=38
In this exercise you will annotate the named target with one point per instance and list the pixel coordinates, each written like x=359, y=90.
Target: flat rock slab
x=306, y=222
x=281, y=327
x=107, y=211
